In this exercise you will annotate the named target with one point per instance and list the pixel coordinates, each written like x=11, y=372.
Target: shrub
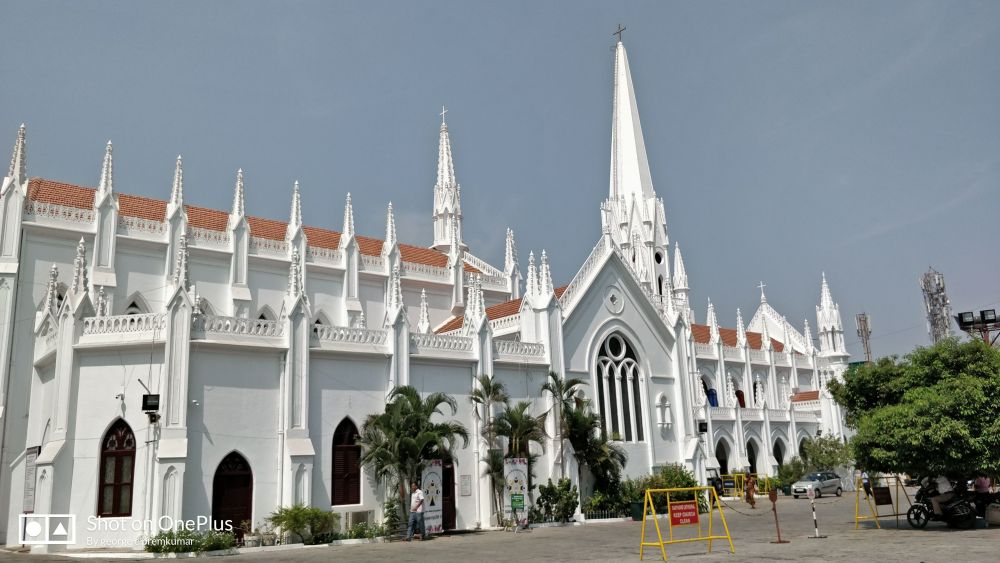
x=305, y=522
x=390, y=514
x=183, y=541
x=558, y=501
x=791, y=471
x=361, y=530
x=672, y=476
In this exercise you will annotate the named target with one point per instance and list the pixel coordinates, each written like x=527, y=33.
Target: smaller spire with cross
x=761, y=286
x=621, y=29
x=444, y=110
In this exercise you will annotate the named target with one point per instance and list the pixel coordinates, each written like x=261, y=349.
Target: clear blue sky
x=786, y=138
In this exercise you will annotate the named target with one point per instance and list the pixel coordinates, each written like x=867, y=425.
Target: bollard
x=812, y=501
x=773, y=497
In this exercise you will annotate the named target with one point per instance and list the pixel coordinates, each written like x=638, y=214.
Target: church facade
x=268, y=342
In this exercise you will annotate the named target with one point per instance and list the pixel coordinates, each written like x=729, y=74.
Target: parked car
x=820, y=481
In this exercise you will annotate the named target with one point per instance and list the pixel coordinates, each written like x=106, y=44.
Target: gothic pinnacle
x=532, y=284
x=181, y=265
x=741, y=330
x=395, y=290
x=424, y=324
x=713, y=324
x=390, y=229
x=295, y=275
x=348, y=219
x=680, y=274
x=446, y=166
x=545, y=276
x=295, y=215
x=238, y=196
x=177, y=191
x=106, y=186
x=19, y=159
x=80, y=282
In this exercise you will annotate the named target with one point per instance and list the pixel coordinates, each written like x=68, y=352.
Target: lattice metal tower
x=864, y=333
x=937, y=305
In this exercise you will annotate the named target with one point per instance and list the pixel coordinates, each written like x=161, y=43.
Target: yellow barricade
x=882, y=495
x=683, y=513
x=739, y=482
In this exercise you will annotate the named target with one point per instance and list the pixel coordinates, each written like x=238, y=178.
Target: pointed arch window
x=619, y=392
x=346, y=482
x=266, y=314
x=117, y=468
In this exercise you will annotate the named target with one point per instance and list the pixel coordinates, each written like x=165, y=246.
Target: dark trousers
x=868, y=490
x=416, y=525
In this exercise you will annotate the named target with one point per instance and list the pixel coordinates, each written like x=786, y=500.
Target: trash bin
x=636, y=508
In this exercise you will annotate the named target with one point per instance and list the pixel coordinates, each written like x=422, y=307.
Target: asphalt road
x=752, y=532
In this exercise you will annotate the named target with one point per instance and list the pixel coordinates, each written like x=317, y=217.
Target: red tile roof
x=702, y=335
x=494, y=312
x=69, y=195
x=805, y=396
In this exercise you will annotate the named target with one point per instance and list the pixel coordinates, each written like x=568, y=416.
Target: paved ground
x=752, y=531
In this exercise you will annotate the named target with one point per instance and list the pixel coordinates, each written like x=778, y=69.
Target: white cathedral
x=269, y=342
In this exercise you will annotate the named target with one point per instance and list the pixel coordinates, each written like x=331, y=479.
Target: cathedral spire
x=390, y=230
x=532, y=285
x=808, y=338
x=713, y=324
x=446, y=165
x=447, y=195
x=424, y=324
x=106, y=186
x=348, y=230
x=177, y=191
x=629, y=166
x=19, y=159
x=825, y=298
x=295, y=215
x=680, y=274
x=741, y=330
x=239, y=209
x=545, y=276
x=80, y=282
x=510, y=252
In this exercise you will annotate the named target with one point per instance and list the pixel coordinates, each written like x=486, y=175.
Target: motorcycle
x=959, y=512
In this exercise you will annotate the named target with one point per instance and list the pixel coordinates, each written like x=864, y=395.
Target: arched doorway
x=722, y=455
x=346, y=483
x=779, y=453
x=752, y=455
x=232, y=493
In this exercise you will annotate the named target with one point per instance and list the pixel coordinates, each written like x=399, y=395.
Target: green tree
x=398, y=443
x=521, y=429
x=936, y=410
x=826, y=453
x=565, y=396
x=485, y=396
x=603, y=457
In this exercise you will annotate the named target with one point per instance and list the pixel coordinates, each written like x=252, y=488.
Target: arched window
x=619, y=390
x=117, y=466
x=266, y=314
x=136, y=305
x=346, y=482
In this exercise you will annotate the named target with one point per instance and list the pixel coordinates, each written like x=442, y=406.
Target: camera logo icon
x=47, y=529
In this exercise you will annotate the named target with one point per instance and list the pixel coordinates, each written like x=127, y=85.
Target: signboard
x=882, y=496
x=30, y=456
x=433, y=489
x=729, y=484
x=515, y=470
x=466, y=487
x=684, y=513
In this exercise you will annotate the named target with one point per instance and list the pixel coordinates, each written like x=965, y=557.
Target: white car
x=820, y=481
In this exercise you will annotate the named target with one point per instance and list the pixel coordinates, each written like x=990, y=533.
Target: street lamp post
x=984, y=324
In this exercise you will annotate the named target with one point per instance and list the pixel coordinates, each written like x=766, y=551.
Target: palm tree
x=592, y=448
x=521, y=428
x=564, y=397
x=490, y=392
x=398, y=443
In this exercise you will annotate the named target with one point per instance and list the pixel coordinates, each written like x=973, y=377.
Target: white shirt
x=943, y=485
x=417, y=501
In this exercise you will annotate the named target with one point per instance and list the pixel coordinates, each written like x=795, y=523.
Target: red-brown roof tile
x=70, y=195
x=805, y=396
x=703, y=334
x=494, y=312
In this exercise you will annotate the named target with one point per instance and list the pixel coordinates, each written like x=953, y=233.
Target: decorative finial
x=619, y=32
x=80, y=282
x=532, y=284
x=348, y=218
x=295, y=216
x=390, y=229
x=102, y=303
x=444, y=110
x=510, y=252
x=395, y=292
x=763, y=298
x=680, y=274
x=52, y=289
x=545, y=276
x=239, y=209
x=295, y=274
x=362, y=321
x=19, y=159
x=741, y=330
x=424, y=324
x=177, y=192
x=106, y=186
x=713, y=324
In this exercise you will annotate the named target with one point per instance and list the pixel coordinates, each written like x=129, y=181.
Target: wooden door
x=448, y=516
x=232, y=494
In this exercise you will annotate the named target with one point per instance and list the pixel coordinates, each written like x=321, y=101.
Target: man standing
x=866, y=483
x=416, y=513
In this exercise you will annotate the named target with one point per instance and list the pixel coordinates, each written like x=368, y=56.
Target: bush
x=791, y=471
x=183, y=541
x=557, y=501
x=672, y=476
x=305, y=522
x=390, y=514
x=364, y=530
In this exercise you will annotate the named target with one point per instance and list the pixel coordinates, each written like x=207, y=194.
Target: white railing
x=504, y=323
x=778, y=415
x=753, y=414
x=732, y=353
x=208, y=237
x=704, y=349
x=488, y=281
x=372, y=263
x=600, y=250
x=801, y=416
x=807, y=406
x=441, y=342
x=726, y=413
x=268, y=247
x=235, y=326
x=324, y=255
x=423, y=270
x=758, y=356
x=515, y=348
x=481, y=265
x=124, y=323
x=60, y=213
x=349, y=335
x=137, y=226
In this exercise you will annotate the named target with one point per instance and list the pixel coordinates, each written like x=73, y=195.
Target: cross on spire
x=619, y=32
x=444, y=110
x=761, y=286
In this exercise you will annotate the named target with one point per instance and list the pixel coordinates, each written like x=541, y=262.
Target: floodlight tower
x=937, y=305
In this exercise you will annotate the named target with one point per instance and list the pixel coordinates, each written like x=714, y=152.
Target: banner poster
x=433, y=489
x=515, y=494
